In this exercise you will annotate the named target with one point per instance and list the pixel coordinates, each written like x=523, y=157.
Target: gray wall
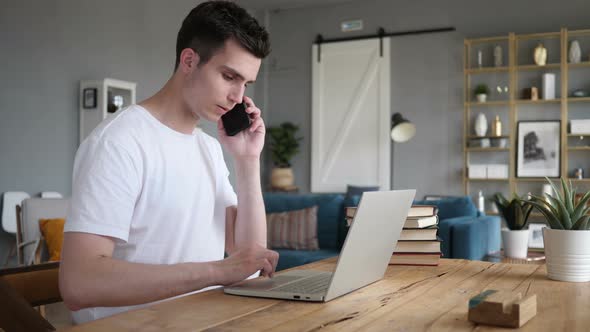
x=427, y=83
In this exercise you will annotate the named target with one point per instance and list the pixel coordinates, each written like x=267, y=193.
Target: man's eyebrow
x=235, y=73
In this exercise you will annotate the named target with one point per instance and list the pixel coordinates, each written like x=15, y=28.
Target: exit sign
x=353, y=25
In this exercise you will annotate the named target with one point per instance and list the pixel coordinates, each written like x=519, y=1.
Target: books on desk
x=419, y=216
x=427, y=259
x=418, y=243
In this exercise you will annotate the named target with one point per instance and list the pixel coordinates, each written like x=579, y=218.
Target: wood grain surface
x=409, y=298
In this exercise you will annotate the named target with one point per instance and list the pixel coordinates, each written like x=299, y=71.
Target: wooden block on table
x=502, y=308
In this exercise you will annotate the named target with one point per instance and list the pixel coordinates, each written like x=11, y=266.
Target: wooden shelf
x=579, y=65
x=486, y=149
x=578, y=99
x=530, y=179
x=488, y=180
x=518, y=65
x=537, y=67
x=578, y=180
x=481, y=137
x=540, y=101
x=489, y=103
x=486, y=40
x=484, y=70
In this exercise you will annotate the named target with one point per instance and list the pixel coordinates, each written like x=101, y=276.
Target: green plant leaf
x=581, y=209
x=582, y=224
x=549, y=216
x=557, y=192
x=567, y=196
x=547, y=203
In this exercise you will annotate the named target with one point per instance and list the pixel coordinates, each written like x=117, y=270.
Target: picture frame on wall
x=89, y=98
x=536, y=236
x=538, y=152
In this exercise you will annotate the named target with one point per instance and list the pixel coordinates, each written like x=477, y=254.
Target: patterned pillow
x=296, y=229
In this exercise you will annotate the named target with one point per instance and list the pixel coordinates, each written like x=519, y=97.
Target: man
x=152, y=210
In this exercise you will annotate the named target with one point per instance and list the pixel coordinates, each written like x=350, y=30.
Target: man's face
x=215, y=87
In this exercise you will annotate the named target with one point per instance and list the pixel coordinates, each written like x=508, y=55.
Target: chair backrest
x=34, y=209
x=21, y=289
x=10, y=199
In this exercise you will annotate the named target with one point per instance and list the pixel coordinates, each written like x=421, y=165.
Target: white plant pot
x=482, y=97
x=567, y=254
x=516, y=243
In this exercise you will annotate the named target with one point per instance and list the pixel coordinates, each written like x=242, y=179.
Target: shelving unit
x=507, y=82
x=97, y=101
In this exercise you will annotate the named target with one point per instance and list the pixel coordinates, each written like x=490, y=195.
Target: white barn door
x=350, y=115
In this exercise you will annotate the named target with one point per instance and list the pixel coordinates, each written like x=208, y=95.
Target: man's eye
x=227, y=77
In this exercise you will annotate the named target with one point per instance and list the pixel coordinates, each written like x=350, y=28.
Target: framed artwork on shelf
x=538, y=149
x=536, y=235
x=89, y=98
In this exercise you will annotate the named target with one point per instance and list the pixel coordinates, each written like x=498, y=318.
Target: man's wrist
x=206, y=274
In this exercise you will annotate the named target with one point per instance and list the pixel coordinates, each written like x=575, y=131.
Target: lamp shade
x=402, y=130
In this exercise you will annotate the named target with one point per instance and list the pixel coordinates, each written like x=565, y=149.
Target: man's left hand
x=249, y=142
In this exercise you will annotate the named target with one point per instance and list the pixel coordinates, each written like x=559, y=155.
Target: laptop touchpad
x=265, y=283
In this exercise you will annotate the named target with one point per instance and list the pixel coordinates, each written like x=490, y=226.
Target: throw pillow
x=293, y=229
x=358, y=190
x=53, y=232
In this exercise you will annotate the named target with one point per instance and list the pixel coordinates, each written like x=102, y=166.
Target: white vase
x=540, y=55
x=481, y=97
x=575, y=55
x=516, y=243
x=481, y=125
x=498, y=56
x=567, y=254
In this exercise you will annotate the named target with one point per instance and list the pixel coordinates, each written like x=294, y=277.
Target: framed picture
x=536, y=235
x=538, y=149
x=89, y=98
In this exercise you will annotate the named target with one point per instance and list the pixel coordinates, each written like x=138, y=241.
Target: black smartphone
x=236, y=120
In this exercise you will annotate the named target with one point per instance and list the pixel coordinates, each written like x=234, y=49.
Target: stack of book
x=418, y=243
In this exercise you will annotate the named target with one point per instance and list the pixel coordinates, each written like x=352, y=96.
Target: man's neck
x=168, y=107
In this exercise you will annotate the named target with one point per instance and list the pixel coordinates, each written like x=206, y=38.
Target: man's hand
x=248, y=142
x=244, y=263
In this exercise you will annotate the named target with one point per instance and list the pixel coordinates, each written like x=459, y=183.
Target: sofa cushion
x=330, y=209
x=453, y=207
x=295, y=229
x=290, y=258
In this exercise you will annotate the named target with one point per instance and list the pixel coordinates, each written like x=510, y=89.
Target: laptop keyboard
x=312, y=285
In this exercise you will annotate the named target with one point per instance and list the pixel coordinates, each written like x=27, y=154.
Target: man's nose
x=236, y=95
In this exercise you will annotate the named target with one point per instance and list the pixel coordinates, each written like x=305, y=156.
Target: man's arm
x=89, y=276
x=251, y=218
x=246, y=223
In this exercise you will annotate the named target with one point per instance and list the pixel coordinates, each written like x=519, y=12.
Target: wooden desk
x=407, y=299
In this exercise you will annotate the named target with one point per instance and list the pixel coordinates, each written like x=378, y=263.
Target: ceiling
x=288, y=4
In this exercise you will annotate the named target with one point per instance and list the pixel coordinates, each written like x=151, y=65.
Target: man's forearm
x=109, y=282
x=251, y=218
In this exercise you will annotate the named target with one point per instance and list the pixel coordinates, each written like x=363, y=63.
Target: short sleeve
x=105, y=187
x=226, y=195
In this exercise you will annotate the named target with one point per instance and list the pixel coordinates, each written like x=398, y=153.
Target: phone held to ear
x=236, y=120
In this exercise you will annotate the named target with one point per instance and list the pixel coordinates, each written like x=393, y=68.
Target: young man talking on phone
x=152, y=211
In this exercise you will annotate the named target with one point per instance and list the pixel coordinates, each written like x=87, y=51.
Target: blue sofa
x=465, y=232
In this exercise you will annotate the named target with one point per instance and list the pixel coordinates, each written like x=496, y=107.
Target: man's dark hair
x=206, y=28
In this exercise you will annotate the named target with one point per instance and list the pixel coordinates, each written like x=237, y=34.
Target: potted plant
x=567, y=241
x=516, y=214
x=283, y=146
x=481, y=92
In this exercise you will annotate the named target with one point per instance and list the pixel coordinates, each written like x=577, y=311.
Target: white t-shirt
x=160, y=193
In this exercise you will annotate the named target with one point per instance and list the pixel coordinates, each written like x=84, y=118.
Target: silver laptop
x=363, y=260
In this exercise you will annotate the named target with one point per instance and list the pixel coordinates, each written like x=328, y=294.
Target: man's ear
x=189, y=59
